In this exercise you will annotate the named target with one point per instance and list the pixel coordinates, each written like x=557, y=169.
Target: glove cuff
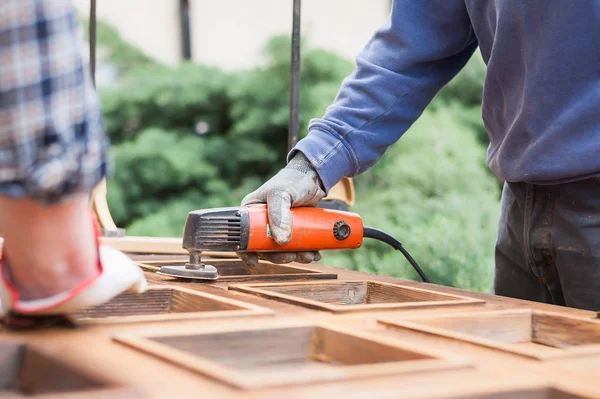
x=301, y=163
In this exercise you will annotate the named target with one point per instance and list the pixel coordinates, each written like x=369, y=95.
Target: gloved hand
x=298, y=184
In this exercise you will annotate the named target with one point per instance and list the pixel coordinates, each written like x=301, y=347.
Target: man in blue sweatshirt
x=541, y=109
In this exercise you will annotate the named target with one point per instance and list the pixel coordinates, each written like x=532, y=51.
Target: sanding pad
x=206, y=272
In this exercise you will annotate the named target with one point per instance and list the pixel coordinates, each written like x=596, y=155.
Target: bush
x=166, y=97
x=433, y=192
x=111, y=48
x=193, y=136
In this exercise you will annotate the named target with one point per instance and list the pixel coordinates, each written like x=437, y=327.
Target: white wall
x=231, y=33
x=151, y=25
x=344, y=25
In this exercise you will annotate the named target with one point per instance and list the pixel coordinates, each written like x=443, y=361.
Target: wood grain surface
x=287, y=355
x=27, y=371
x=545, y=351
x=531, y=333
x=234, y=270
x=353, y=296
x=166, y=304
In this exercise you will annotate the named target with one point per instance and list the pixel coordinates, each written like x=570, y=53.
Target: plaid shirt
x=52, y=143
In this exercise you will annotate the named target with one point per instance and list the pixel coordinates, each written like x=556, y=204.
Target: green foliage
x=165, y=168
x=432, y=191
x=194, y=137
x=166, y=97
x=260, y=101
x=170, y=218
x=155, y=167
x=113, y=49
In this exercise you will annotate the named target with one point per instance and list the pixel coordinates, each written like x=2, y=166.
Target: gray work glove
x=296, y=185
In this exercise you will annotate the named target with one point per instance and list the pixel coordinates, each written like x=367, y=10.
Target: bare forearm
x=49, y=249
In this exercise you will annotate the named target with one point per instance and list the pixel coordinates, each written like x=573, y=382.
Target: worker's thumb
x=280, y=216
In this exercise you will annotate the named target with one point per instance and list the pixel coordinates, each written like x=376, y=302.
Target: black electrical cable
x=370, y=232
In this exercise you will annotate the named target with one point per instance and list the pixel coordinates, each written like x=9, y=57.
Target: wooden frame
x=341, y=290
x=288, y=272
x=100, y=207
x=220, y=307
x=35, y=372
x=145, y=245
x=325, y=343
x=529, y=333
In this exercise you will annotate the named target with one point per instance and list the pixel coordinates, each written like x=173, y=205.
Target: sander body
x=246, y=229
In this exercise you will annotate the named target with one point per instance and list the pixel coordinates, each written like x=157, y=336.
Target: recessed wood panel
x=353, y=296
x=28, y=372
x=164, y=304
x=530, y=333
x=234, y=270
x=294, y=354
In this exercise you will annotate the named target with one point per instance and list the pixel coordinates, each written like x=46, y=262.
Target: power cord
x=370, y=232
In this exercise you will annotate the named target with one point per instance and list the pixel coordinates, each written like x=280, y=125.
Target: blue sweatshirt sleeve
x=421, y=46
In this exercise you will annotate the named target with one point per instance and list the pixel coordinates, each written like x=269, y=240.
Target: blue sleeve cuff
x=328, y=154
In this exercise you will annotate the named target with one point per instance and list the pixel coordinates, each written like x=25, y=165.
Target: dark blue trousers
x=548, y=246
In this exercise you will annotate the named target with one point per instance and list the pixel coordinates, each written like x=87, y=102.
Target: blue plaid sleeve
x=52, y=142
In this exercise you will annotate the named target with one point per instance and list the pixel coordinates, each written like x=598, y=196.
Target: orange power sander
x=246, y=229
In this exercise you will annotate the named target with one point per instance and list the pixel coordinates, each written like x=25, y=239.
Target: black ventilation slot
x=218, y=230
